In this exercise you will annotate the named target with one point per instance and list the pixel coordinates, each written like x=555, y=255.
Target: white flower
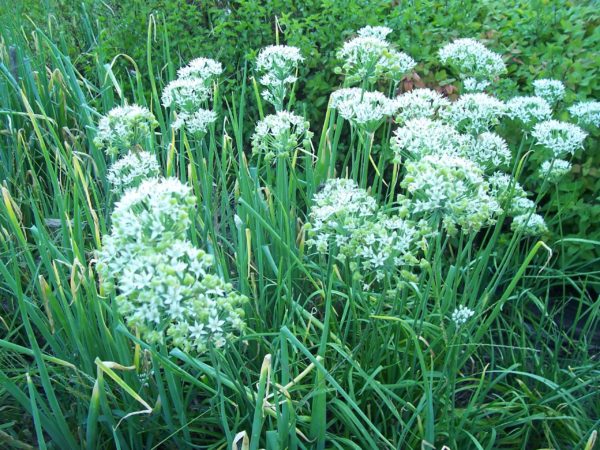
x=452, y=189
x=553, y=171
x=362, y=109
x=132, y=169
x=377, y=32
x=560, y=137
x=509, y=194
x=550, y=90
x=186, y=94
x=124, y=127
x=203, y=68
x=529, y=224
x=189, y=94
x=472, y=84
x=461, y=315
x=196, y=122
x=370, y=57
x=474, y=113
x=277, y=65
x=420, y=104
x=279, y=58
x=528, y=110
x=489, y=150
x=473, y=61
x=587, y=113
x=345, y=224
x=420, y=137
x=280, y=134
x=165, y=286
x=339, y=208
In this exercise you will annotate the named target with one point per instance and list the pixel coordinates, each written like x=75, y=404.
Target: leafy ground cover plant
x=397, y=282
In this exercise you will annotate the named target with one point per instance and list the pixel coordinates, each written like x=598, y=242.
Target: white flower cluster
x=420, y=104
x=587, y=113
x=201, y=68
x=475, y=64
x=452, y=189
x=363, y=109
x=550, y=90
x=488, y=150
x=277, y=65
x=421, y=137
x=376, y=32
x=474, y=113
x=560, y=137
x=369, y=57
x=381, y=246
x=190, y=93
x=186, y=94
x=510, y=194
x=165, y=286
x=197, y=122
x=279, y=135
x=344, y=218
x=513, y=198
x=340, y=208
x=529, y=224
x=124, y=127
x=461, y=315
x=129, y=171
x=553, y=171
x=529, y=110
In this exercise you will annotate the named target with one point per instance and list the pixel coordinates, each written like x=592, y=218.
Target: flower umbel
x=131, y=170
x=461, y=315
x=550, y=90
x=450, y=189
x=529, y=110
x=370, y=57
x=474, y=113
x=277, y=65
x=363, y=109
x=280, y=135
x=420, y=104
x=125, y=127
x=474, y=63
x=560, y=137
x=165, y=286
x=554, y=170
x=586, y=113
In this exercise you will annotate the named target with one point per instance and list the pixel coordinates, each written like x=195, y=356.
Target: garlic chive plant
x=587, y=113
x=476, y=66
x=552, y=91
x=474, y=113
x=366, y=112
x=561, y=138
x=345, y=224
x=125, y=127
x=400, y=282
x=278, y=66
x=167, y=289
x=450, y=191
x=528, y=110
x=280, y=135
x=370, y=57
x=189, y=96
x=133, y=168
x=420, y=104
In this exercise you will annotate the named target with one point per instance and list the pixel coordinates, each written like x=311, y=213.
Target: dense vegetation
x=332, y=295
